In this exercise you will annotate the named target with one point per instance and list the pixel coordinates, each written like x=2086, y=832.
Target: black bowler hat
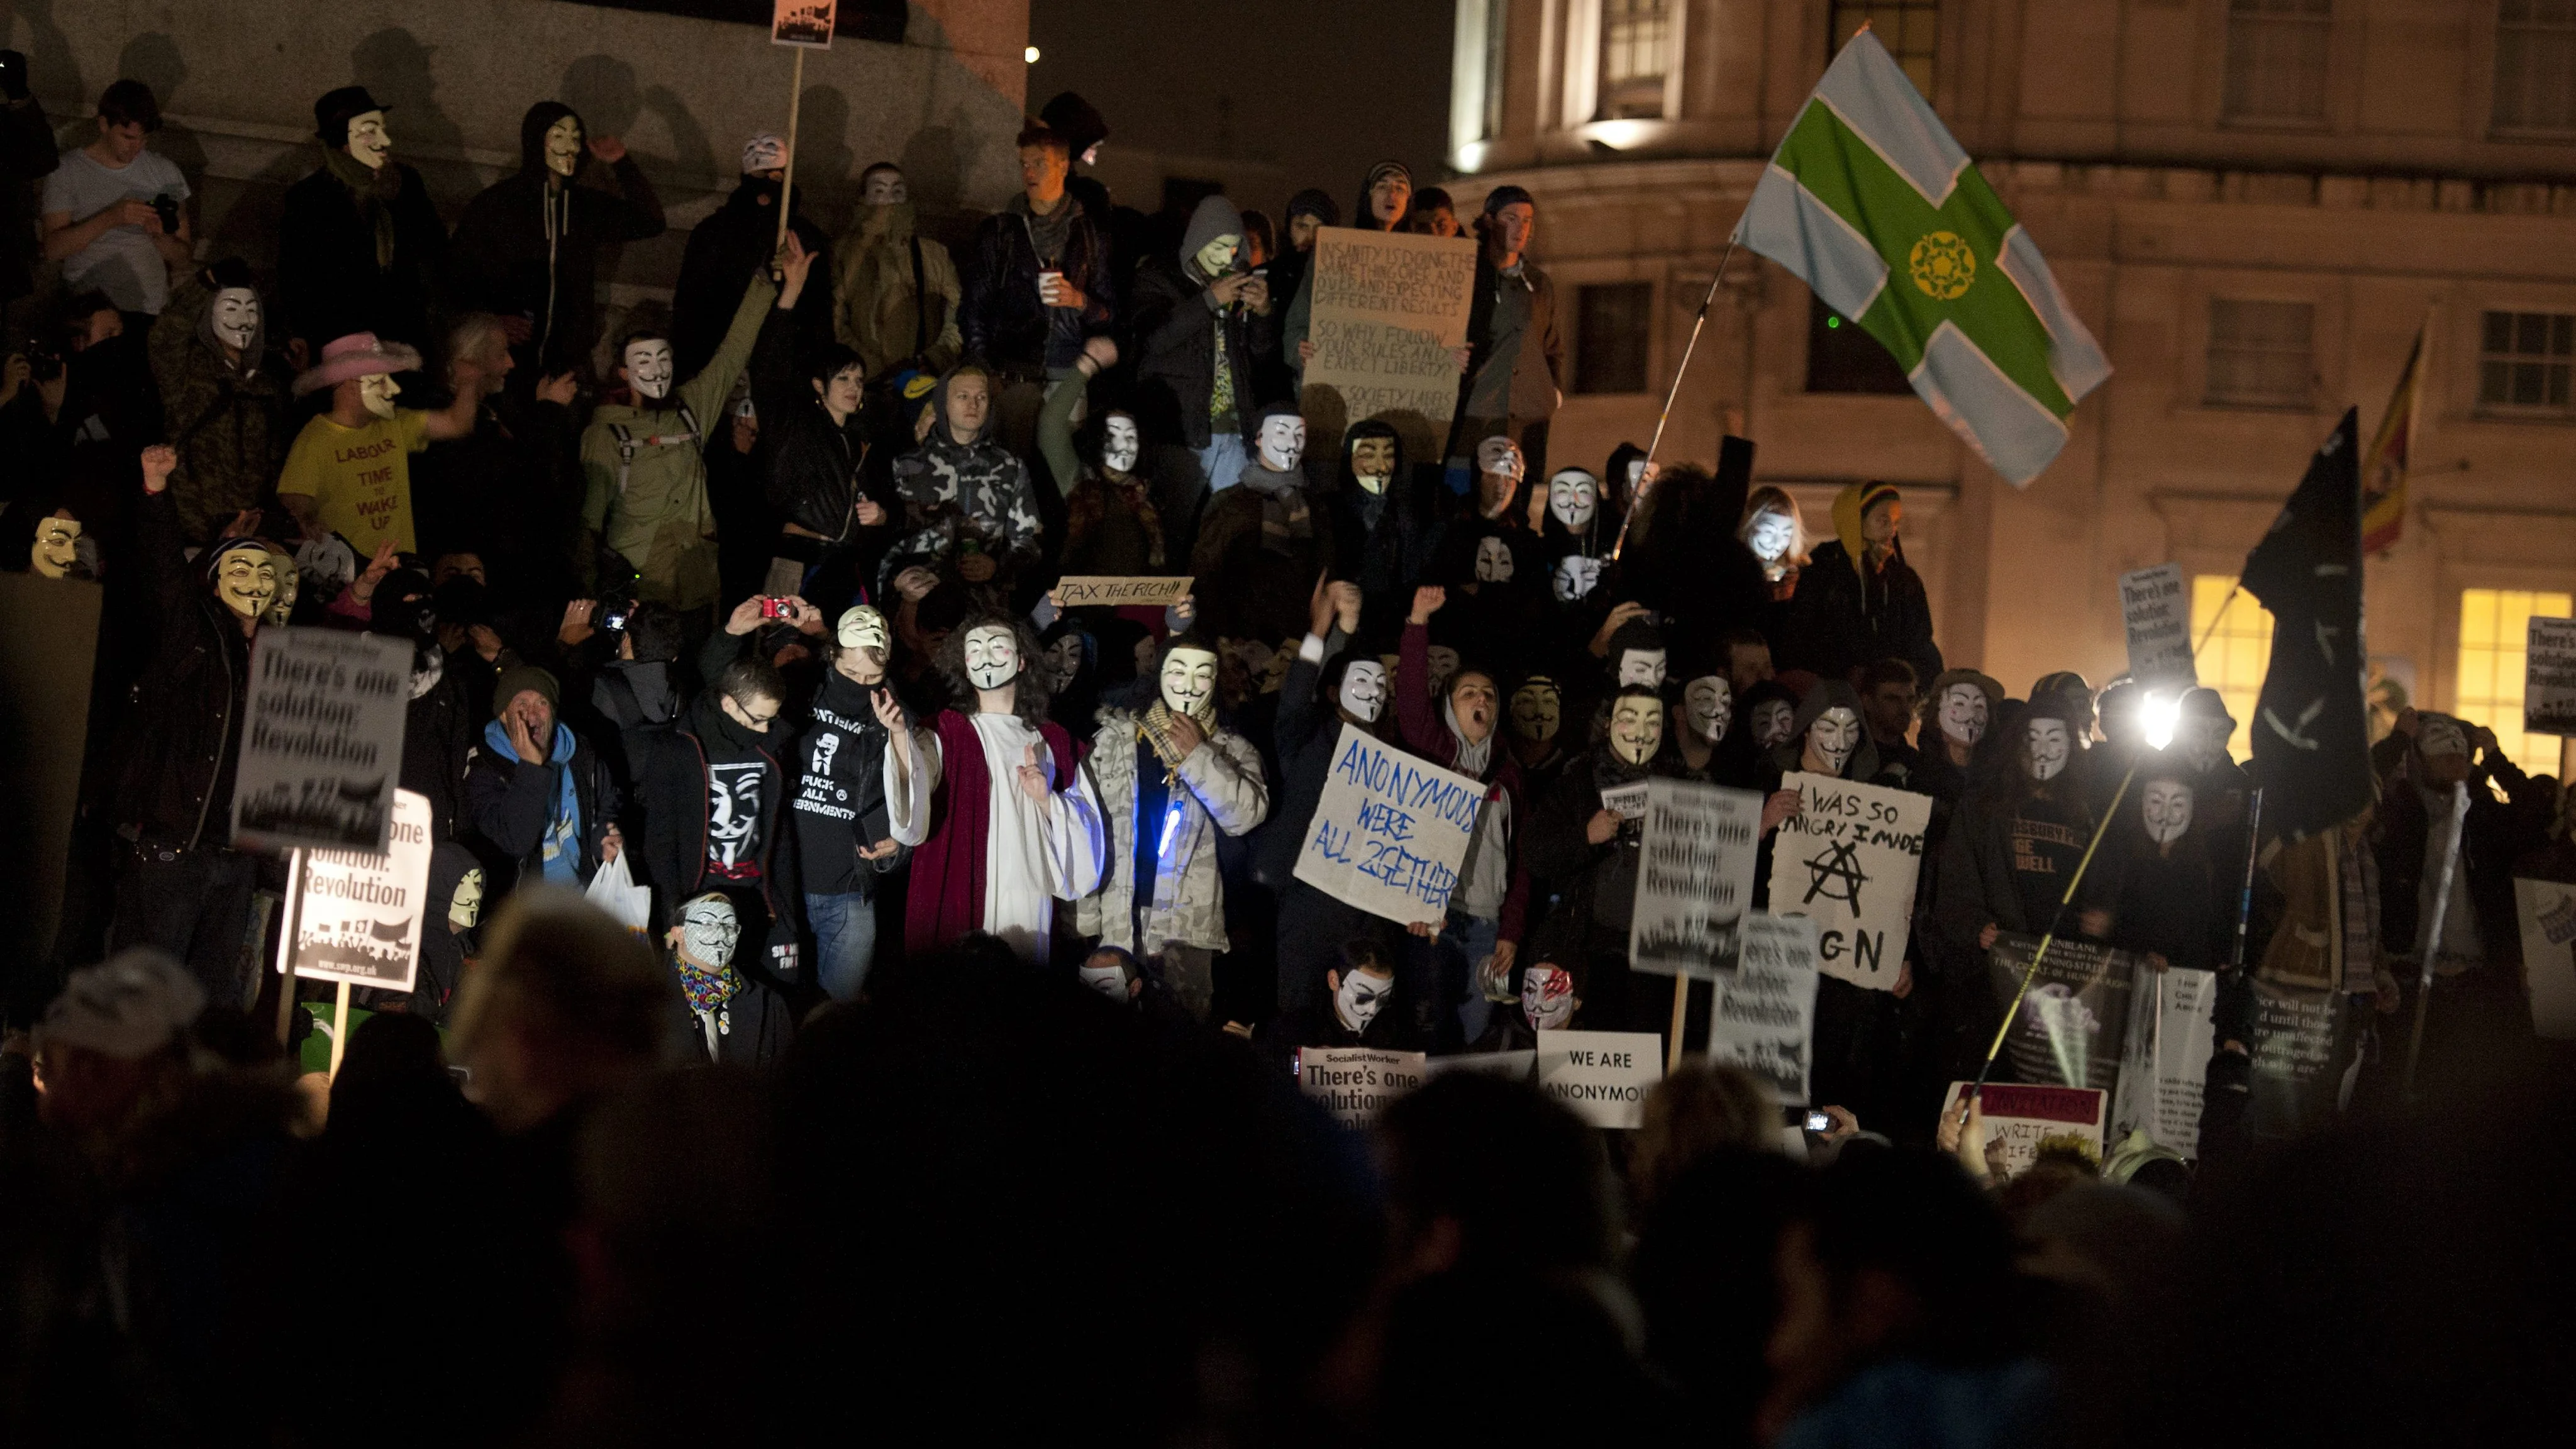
x=332, y=113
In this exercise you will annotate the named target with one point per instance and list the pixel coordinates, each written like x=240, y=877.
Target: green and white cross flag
x=1871, y=203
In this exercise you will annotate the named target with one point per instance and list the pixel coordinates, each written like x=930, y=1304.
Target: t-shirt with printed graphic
x=2046, y=839
x=733, y=819
x=359, y=478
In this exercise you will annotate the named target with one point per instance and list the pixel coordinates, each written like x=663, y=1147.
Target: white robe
x=1032, y=858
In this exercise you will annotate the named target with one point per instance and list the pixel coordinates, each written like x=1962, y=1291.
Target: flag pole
x=1646, y=483
x=2433, y=929
x=787, y=183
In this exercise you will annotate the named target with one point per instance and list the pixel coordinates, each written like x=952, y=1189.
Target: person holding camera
x=112, y=212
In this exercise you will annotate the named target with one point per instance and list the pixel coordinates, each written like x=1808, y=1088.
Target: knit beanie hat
x=519, y=677
x=1502, y=196
x=1314, y=203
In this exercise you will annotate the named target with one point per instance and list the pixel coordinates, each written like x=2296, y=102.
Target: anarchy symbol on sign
x=1838, y=863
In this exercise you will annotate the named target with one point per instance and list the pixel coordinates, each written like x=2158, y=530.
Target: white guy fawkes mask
x=1119, y=444
x=1636, y=728
x=1772, y=721
x=1499, y=455
x=2203, y=742
x=708, y=930
x=1373, y=462
x=992, y=655
x=1359, y=998
x=236, y=314
x=1444, y=667
x=1060, y=661
x=1109, y=980
x=57, y=546
x=1547, y=997
x=1574, y=496
x=1218, y=255
x=377, y=391
x=246, y=582
x=1708, y=705
x=369, y=143
x=1283, y=443
x=1575, y=577
x=1963, y=714
x=884, y=188
x=1642, y=666
x=327, y=563
x=1493, y=561
x=1363, y=691
x=1189, y=682
x=466, y=906
x=1537, y=710
x=2046, y=748
x=862, y=627
x=281, y=572
x=1834, y=736
x=2167, y=807
x=648, y=367
x=1772, y=535
x=563, y=146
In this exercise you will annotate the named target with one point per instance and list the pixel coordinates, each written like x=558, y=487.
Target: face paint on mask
x=1547, y=997
x=1772, y=721
x=1773, y=533
x=1218, y=255
x=708, y=930
x=648, y=368
x=1493, y=561
x=1444, y=667
x=1119, y=445
x=1575, y=578
x=57, y=547
x=1359, y=998
x=376, y=393
x=1834, y=738
x=369, y=142
x=1573, y=496
x=1060, y=661
x=282, y=580
x=1109, y=980
x=1283, y=443
x=465, y=908
x=1642, y=666
x=563, y=146
x=1963, y=714
x=862, y=627
x=2045, y=749
x=1636, y=728
x=2166, y=807
x=1363, y=691
x=1708, y=706
x=992, y=655
x=1189, y=682
x=245, y=583
x=235, y=312
x=1373, y=462
x=1538, y=709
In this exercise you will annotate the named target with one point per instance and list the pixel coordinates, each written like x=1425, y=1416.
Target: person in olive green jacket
x=645, y=463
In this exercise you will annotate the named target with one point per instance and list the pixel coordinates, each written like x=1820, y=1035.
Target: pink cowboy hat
x=357, y=355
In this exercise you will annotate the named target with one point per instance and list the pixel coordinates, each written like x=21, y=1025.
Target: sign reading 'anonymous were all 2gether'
x=1390, y=833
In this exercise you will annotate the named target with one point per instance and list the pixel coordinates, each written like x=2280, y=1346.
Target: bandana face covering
x=1283, y=443
x=1373, y=462
x=2045, y=749
x=563, y=146
x=1360, y=997
x=369, y=143
x=1772, y=721
x=1109, y=981
x=1642, y=666
x=1576, y=577
x=1189, y=682
x=1963, y=714
x=1636, y=728
x=1537, y=710
x=1363, y=691
x=236, y=314
x=992, y=656
x=377, y=391
x=1119, y=445
x=1547, y=997
x=1708, y=705
x=57, y=547
x=2167, y=810
x=1574, y=496
x=1834, y=737
x=648, y=368
x=1493, y=561
x=862, y=627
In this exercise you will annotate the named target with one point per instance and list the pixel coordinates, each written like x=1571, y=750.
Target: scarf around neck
x=561, y=846
x=1284, y=517
x=1155, y=724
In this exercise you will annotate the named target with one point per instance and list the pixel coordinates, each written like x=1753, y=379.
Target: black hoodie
x=724, y=250
x=1383, y=541
x=525, y=249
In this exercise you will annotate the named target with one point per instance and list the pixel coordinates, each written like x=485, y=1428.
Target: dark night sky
x=1324, y=87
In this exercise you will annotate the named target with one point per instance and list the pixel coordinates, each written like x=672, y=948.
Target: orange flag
x=2383, y=468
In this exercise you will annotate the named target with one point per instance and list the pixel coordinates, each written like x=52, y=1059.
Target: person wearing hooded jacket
x=968, y=508
x=1589, y=850
x=738, y=239
x=223, y=401
x=1201, y=320
x=527, y=246
x=553, y=818
x=1386, y=523
x=358, y=249
x=1858, y=600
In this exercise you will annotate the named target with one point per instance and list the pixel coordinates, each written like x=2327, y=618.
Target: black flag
x=2311, y=742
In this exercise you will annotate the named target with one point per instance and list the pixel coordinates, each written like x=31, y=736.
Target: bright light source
x=2157, y=718
x=1030, y=55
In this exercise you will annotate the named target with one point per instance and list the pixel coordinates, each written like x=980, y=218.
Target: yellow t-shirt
x=359, y=478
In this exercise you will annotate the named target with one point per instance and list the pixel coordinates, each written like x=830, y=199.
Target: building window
x=2523, y=362
x=2488, y=691
x=2238, y=650
x=1843, y=358
x=1636, y=50
x=2261, y=354
x=1910, y=29
x=2535, y=69
x=1497, y=16
x=1613, y=327
x=2276, y=59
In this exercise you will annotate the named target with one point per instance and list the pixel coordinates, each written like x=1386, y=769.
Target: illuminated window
x=2238, y=652
x=2261, y=354
x=1910, y=29
x=2493, y=633
x=2524, y=359
x=2535, y=67
x=1636, y=50
x=2276, y=59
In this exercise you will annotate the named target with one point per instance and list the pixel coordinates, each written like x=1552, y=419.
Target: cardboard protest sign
x=1764, y=1016
x=321, y=740
x=2167, y=1060
x=1694, y=878
x=1603, y=1075
x=2074, y=1024
x=2155, y=606
x=2549, y=678
x=801, y=22
x=2300, y=1059
x=1087, y=591
x=1849, y=859
x=2548, y=911
x=2021, y=1119
x=1355, y=1083
x=1387, y=309
x=1390, y=832
x=359, y=915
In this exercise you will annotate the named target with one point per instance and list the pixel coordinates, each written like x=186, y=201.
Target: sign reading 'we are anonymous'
x=1390, y=833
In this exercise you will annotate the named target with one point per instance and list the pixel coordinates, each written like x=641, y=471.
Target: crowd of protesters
x=958, y=1051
